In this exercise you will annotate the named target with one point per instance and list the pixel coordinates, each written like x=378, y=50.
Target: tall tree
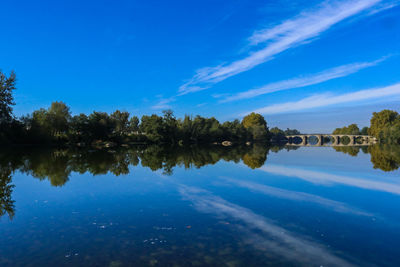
x=7, y=85
x=170, y=125
x=152, y=127
x=121, y=122
x=382, y=120
x=58, y=117
x=134, y=124
x=257, y=126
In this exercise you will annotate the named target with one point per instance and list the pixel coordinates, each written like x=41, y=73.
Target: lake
x=210, y=206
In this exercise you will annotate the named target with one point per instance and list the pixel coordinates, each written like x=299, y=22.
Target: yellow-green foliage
x=385, y=125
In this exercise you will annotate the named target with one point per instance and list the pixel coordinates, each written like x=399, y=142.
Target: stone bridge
x=355, y=140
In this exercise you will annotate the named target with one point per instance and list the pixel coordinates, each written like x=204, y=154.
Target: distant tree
x=254, y=119
x=58, y=117
x=120, y=121
x=38, y=126
x=170, y=127
x=383, y=120
x=291, y=132
x=152, y=127
x=100, y=125
x=352, y=129
x=277, y=134
x=364, y=131
x=186, y=128
x=134, y=124
x=7, y=85
x=79, y=128
x=234, y=131
x=257, y=126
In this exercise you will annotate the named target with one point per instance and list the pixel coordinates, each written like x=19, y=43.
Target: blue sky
x=311, y=65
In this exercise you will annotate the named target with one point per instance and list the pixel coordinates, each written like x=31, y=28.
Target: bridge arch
x=336, y=139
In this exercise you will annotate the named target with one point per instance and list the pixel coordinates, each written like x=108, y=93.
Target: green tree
x=381, y=120
x=152, y=127
x=7, y=86
x=256, y=126
x=277, y=134
x=170, y=127
x=134, y=124
x=364, y=131
x=120, y=121
x=100, y=125
x=58, y=117
x=79, y=128
x=353, y=129
x=291, y=132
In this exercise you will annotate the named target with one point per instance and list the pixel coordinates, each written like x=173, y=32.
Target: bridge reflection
x=331, y=140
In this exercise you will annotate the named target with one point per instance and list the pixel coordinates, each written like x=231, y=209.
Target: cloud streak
x=163, y=103
x=327, y=99
x=262, y=233
x=274, y=40
x=327, y=178
x=317, y=78
x=299, y=196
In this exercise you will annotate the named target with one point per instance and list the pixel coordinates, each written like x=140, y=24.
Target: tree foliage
x=256, y=125
x=352, y=129
x=385, y=125
x=7, y=86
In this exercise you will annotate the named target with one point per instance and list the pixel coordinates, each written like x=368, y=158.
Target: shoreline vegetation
x=56, y=126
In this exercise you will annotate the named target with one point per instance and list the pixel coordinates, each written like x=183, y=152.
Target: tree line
x=384, y=125
x=56, y=125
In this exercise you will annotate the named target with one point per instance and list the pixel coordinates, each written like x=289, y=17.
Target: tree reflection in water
x=383, y=156
x=56, y=165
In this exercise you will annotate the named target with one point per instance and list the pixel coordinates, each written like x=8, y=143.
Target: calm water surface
x=312, y=206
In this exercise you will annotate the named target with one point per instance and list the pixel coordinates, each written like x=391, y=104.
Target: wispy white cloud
x=328, y=99
x=274, y=40
x=298, y=196
x=298, y=82
x=327, y=178
x=262, y=233
x=163, y=103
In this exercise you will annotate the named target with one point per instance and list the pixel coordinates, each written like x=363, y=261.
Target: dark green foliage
x=101, y=125
x=10, y=130
x=385, y=126
x=55, y=125
x=291, y=132
x=120, y=122
x=277, y=135
x=7, y=86
x=364, y=131
x=152, y=127
x=352, y=129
